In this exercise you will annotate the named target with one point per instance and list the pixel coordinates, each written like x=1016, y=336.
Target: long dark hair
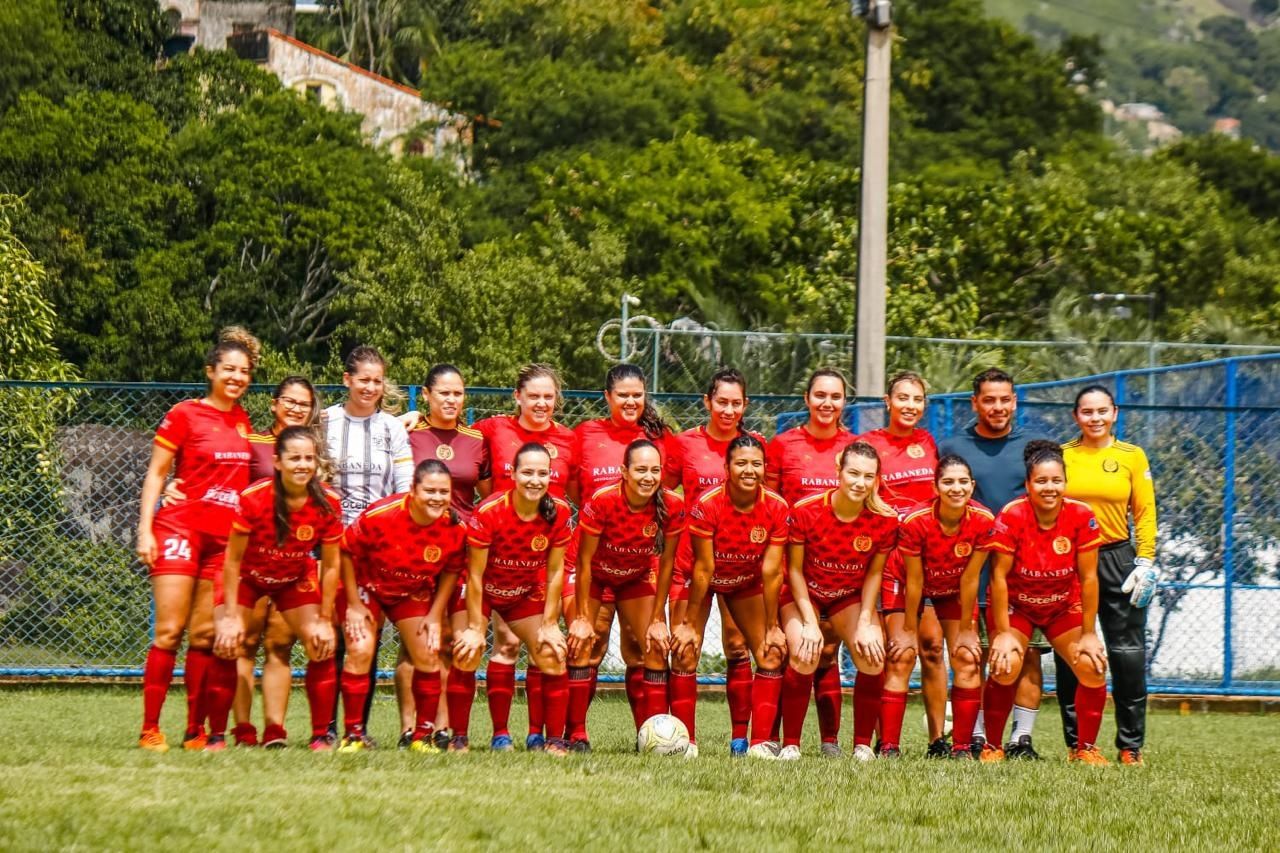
x=547, y=504
x=650, y=421
x=727, y=375
x=315, y=489
x=659, y=502
x=1040, y=451
x=434, y=466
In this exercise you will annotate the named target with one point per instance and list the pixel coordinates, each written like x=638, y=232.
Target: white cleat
x=862, y=752
x=789, y=753
x=691, y=751
x=766, y=751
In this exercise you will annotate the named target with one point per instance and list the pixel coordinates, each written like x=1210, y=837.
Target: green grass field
x=70, y=777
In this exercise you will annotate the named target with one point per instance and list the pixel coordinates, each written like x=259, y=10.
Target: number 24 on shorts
x=177, y=548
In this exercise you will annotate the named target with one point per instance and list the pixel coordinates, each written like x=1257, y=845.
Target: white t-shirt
x=371, y=458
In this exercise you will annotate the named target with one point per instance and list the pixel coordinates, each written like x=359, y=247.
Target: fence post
x=413, y=397
x=657, y=347
x=1228, y=520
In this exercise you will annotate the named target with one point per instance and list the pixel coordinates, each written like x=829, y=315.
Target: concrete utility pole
x=873, y=218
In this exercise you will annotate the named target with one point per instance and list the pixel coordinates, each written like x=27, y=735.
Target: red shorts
x=570, y=588
x=826, y=607
x=287, y=596
x=1053, y=624
x=395, y=609
x=737, y=591
x=893, y=587
x=641, y=586
x=532, y=603
x=182, y=551
x=946, y=606
x=679, y=590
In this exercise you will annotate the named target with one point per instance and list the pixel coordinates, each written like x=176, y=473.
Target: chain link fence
x=74, y=600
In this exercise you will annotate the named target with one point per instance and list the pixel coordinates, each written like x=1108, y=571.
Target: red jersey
x=602, y=445
x=518, y=549
x=738, y=539
x=1044, y=576
x=696, y=460
x=395, y=557
x=804, y=465
x=907, y=464
x=838, y=553
x=504, y=437
x=270, y=565
x=944, y=556
x=462, y=451
x=262, y=455
x=628, y=547
x=211, y=459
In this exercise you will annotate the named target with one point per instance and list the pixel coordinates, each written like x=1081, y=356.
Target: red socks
x=997, y=704
x=426, y=701
x=635, y=693
x=322, y=693
x=893, y=705
x=827, y=696
x=355, y=692
x=655, y=693
x=500, y=686
x=555, y=701
x=460, y=696
x=195, y=676
x=737, y=688
x=1091, y=702
x=683, y=687
x=157, y=675
x=766, y=688
x=581, y=679
x=965, y=704
x=220, y=693
x=866, y=706
x=532, y=698
x=795, y=705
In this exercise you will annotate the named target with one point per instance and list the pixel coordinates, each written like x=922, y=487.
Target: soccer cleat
x=1131, y=757
x=580, y=744
x=961, y=753
x=556, y=747
x=940, y=748
x=863, y=752
x=1088, y=755
x=194, y=740
x=1022, y=749
x=275, y=737
x=764, y=750
x=976, y=745
x=245, y=734
x=319, y=743
x=739, y=747
x=830, y=749
x=442, y=738
x=354, y=743
x=890, y=751
x=789, y=753
x=215, y=743
x=533, y=743
x=406, y=739
x=991, y=754
x=691, y=751
x=153, y=740
x=424, y=746
x=459, y=743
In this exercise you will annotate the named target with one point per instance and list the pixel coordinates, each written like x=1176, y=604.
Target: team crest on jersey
x=305, y=533
x=242, y=430
x=1061, y=545
x=915, y=451
x=306, y=585
x=862, y=543
x=431, y=554
x=1110, y=466
x=444, y=452
x=963, y=549
x=539, y=543
x=651, y=529
x=759, y=534
x=552, y=452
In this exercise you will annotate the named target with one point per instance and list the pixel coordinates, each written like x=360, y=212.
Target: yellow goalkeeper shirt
x=1114, y=481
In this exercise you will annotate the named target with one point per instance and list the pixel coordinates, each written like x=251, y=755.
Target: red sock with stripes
x=533, y=678
x=893, y=705
x=196, y=668
x=157, y=676
x=766, y=688
x=426, y=702
x=220, y=693
x=1091, y=703
x=322, y=692
x=460, y=696
x=355, y=692
x=635, y=693
x=683, y=688
x=965, y=704
x=655, y=693
x=555, y=701
x=579, y=701
x=737, y=689
x=795, y=705
x=866, y=706
x=827, y=696
x=997, y=704
x=499, y=687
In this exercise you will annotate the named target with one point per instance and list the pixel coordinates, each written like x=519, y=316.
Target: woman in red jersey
x=739, y=530
x=628, y=534
x=840, y=540
x=537, y=396
x=1044, y=575
x=603, y=443
x=695, y=463
x=204, y=443
x=908, y=457
x=270, y=554
x=401, y=561
x=517, y=540
x=941, y=544
x=803, y=461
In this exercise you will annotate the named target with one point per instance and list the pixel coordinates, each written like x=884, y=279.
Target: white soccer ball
x=662, y=734
x=946, y=721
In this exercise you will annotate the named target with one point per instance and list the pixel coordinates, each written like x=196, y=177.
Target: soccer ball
x=662, y=734
x=946, y=721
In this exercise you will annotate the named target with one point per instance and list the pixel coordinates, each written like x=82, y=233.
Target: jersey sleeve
x=1003, y=537
x=456, y=561
x=673, y=462
x=561, y=532
x=592, y=517
x=401, y=457
x=173, y=430
x=702, y=520
x=779, y=522
x=352, y=540
x=479, y=531
x=485, y=463
x=1087, y=534
x=911, y=536
x=773, y=472
x=888, y=539
x=330, y=526
x=1142, y=502
x=677, y=520
x=801, y=517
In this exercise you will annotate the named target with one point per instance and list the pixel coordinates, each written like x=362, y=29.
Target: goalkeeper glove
x=1141, y=583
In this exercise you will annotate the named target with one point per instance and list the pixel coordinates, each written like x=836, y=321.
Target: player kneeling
x=270, y=555
x=1045, y=575
x=401, y=562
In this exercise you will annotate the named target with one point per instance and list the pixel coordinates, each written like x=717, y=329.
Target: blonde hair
x=235, y=339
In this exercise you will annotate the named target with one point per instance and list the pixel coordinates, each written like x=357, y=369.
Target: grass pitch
x=71, y=777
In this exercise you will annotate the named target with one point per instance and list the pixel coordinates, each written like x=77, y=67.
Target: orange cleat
x=153, y=740
x=991, y=754
x=215, y=743
x=1088, y=755
x=1131, y=757
x=195, y=740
